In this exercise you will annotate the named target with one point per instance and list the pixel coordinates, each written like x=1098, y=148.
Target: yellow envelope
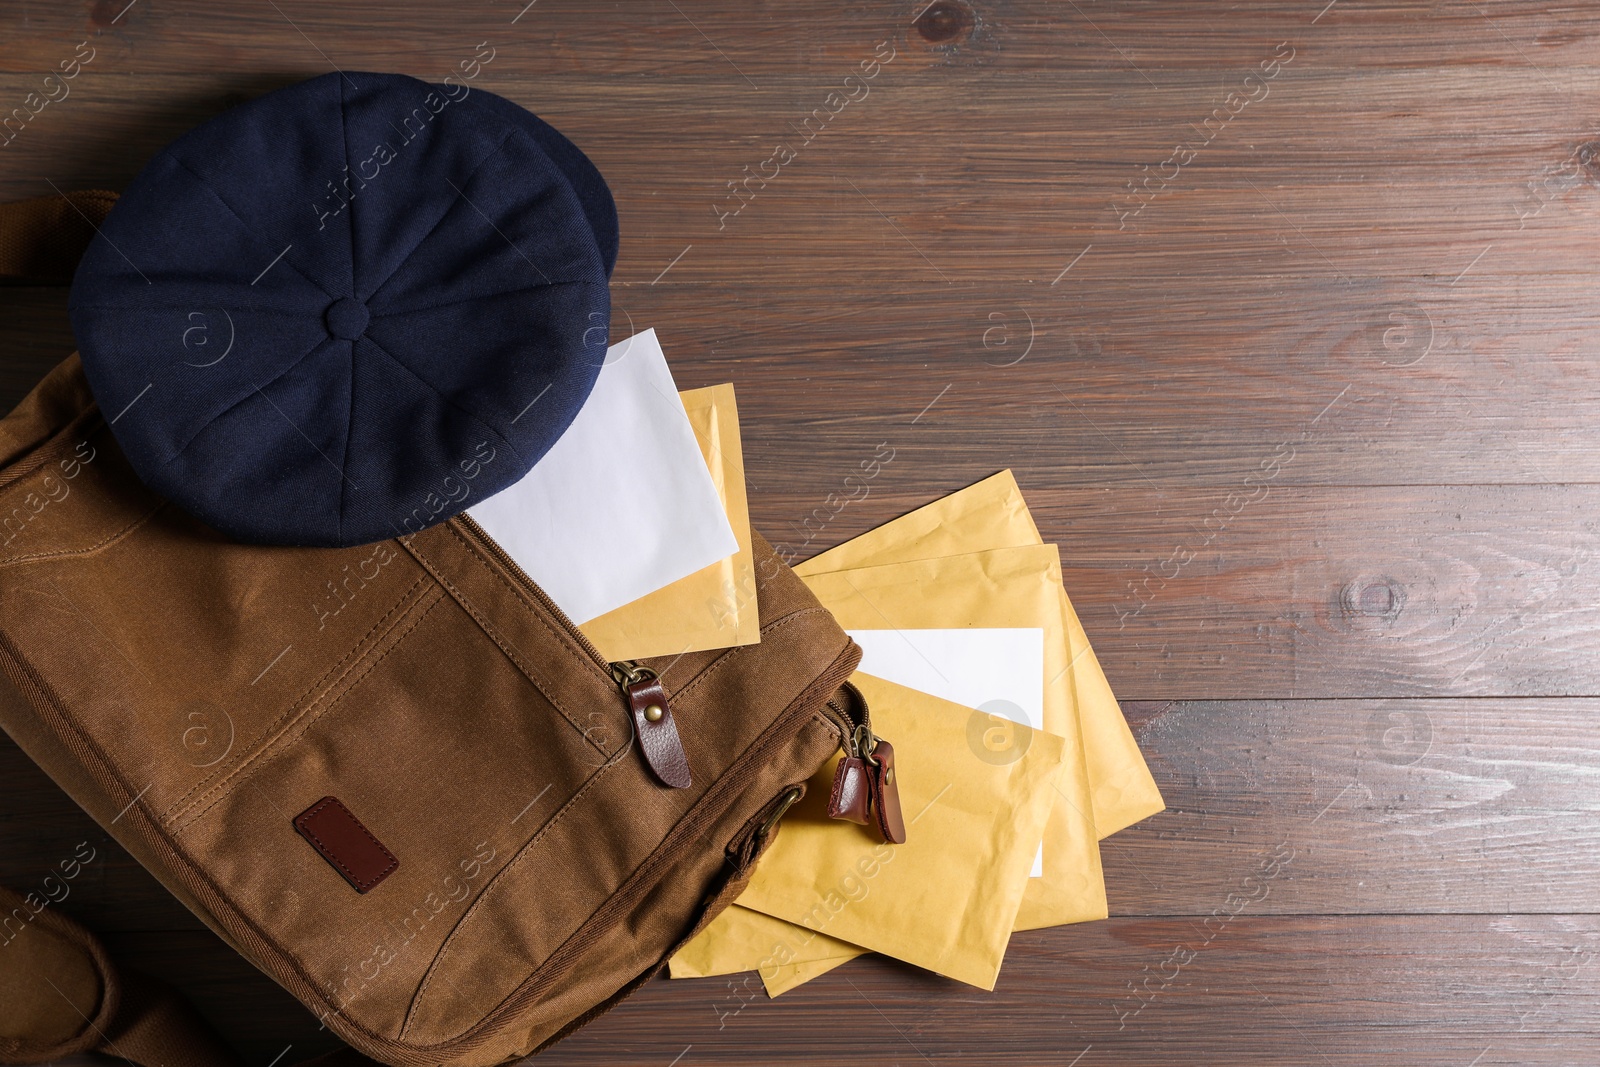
x=784, y=954
x=989, y=514
x=984, y=515
x=945, y=900
x=992, y=514
x=702, y=610
x=1007, y=587
x=743, y=940
x=798, y=974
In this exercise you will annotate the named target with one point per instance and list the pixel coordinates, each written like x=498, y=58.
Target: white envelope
x=622, y=504
x=999, y=670
x=994, y=669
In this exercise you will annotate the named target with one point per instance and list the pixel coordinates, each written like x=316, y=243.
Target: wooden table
x=1150, y=256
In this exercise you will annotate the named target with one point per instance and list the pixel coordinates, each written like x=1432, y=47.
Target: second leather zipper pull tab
x=885, y=793
x=653, y=725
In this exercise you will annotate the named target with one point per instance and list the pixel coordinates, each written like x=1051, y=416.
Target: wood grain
x=1309, y=413
x=1251, y=989
x=1115, y=400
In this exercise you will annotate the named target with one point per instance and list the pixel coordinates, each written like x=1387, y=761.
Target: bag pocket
x=448, y=755
x=630, y=865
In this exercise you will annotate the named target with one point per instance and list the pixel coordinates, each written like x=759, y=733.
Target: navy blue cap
x=348, y=309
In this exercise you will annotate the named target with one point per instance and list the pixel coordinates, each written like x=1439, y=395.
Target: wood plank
x=1321, y=177
x=1261, y=990
x=1113, y=402
x=1388, y=806
x=645, y=39
x=1378, y=591
x=1247, y=989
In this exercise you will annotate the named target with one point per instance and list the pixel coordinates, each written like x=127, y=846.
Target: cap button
x=346, y=318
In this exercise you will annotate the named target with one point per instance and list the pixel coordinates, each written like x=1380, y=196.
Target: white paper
x=574, y=522
x=999, y=670
x=991, y=669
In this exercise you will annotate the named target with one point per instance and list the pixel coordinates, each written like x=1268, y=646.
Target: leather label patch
x=347, y=845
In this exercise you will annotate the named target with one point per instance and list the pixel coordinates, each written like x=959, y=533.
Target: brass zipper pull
x=653, y=725
x=780, y=808
x=743, y=850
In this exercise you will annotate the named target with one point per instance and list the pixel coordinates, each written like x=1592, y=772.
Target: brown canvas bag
x=394, y=777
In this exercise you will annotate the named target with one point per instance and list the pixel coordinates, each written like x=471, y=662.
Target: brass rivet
x=654, y=712
x=888, y=776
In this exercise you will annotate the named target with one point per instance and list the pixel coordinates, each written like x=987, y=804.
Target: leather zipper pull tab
x=851, y=795
x=653, y=726
x=864, y=787
x=885, y=792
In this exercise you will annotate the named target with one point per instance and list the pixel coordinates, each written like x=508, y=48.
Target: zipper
x=644, y=697
x=630, y=672
x=855, y=724
x=491, y=546
x=689, y=828
x=868, y=765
